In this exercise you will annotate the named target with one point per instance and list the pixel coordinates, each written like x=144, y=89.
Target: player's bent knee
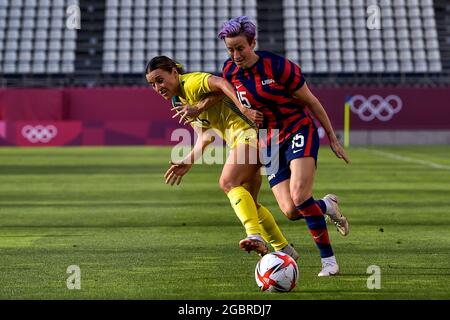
x=299, y=197
x=227, y=184
x=290, y=212
x=294, y=216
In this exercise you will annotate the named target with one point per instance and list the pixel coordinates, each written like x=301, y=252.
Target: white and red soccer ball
x=276, y=272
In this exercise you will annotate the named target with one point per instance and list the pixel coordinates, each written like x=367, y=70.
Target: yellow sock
x=270, y=230
x=244, y=206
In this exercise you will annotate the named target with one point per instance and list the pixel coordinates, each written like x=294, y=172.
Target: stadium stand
x=89, y=82
x=34, y=38
x=185, y=30
x=328, y=38
x=331, y=36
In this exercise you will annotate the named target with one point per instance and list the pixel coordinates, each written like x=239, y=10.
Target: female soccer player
x=240, y=179
x=275, y=86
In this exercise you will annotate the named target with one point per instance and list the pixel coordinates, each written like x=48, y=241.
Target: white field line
x=407, y=159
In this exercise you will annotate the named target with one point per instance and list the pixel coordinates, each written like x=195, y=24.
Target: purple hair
x=238, y=26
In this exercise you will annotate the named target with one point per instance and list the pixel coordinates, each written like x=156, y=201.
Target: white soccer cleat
x=329, y=267
x=289, y=250
x=335, y=215
x=254, y=243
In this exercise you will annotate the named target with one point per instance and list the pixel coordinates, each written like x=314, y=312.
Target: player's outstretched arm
x=189, y=113
x=220, y=84
x=177, y=170
x=307, y=98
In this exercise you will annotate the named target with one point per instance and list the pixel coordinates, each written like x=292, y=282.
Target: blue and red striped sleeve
x=288, y=74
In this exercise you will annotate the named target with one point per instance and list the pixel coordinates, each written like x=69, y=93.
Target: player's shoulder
x=193, y=75
x=195, y=82
x=276, y=60
x=193, y=78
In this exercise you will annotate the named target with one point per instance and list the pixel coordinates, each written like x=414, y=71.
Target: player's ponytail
x=164, y=63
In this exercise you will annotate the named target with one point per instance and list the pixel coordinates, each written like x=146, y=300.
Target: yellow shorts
x=241, y=134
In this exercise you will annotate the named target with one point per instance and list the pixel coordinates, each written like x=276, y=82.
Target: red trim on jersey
x=286, y=71
x=288, y=110
x=226, y=68
x=267, y=95
x=267, y=66
x=296, y=79
x=235, y=70
x=309, y=141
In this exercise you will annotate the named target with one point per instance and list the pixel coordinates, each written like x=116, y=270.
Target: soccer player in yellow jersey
x=240, y=180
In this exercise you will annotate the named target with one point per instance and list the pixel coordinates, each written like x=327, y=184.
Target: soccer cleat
x=329, y=267
x=254, y=244
x=289, y=250
x=335, y=215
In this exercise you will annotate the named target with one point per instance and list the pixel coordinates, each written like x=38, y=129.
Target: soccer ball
x=276, y=272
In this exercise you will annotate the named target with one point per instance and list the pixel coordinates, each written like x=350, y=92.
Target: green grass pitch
x=108, y=211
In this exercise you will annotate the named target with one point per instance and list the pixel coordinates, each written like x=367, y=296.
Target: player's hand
x=176, y=172
x=254, y=115
x=186, y=112
x=338, y=150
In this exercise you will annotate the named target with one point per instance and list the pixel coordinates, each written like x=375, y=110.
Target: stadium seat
x=435, y=66
x=137, y=67
x=361, y=38
x=362, y=55
x=292, y=55
x=363, y=44
x=306, y=55
x=434, y=55
x=349, y=56
x=420, y=66
x=334, y=45
x=181, y=55
x=332, y=23
x=321, y=67
x=53, y=67
x=335, y=56
x=348, y=45
x=390, y=44
x=54, y=46
x=11, y=45
x=123, y=67
x=349, y=67
x=378, y=66
x=26, y=45
x=38, y=67
x=419, y=55
x=307, y=66
x=335, y=66
x=405, y=55
x=363, y=66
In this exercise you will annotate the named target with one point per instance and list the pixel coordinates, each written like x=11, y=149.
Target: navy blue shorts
x=304, y=143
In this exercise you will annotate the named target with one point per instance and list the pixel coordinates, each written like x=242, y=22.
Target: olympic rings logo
x=39, y=133
x=375, y=107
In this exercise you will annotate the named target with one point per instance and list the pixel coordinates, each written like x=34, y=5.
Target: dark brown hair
x=164, y=63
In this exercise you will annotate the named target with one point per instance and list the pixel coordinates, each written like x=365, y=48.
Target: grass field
x=108, y=211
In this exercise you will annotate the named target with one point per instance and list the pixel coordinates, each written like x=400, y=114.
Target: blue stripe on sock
x=315, y=222
x=305, y=204
x=325, y=250
x=322, y=205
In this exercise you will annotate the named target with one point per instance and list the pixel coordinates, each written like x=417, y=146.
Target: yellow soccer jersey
x=224, y=117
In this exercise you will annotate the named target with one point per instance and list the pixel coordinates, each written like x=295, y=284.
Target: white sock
x=331, y=259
